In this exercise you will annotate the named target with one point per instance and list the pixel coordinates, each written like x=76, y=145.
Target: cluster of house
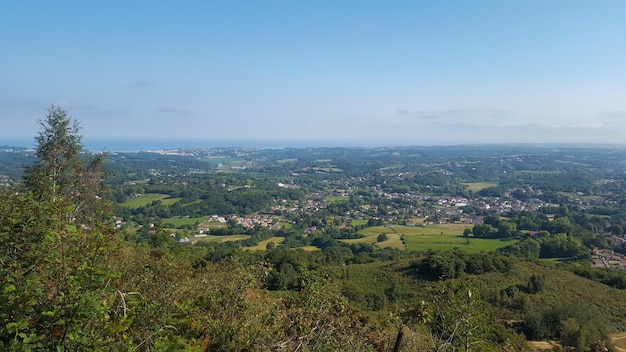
x=5, y=180
x=262, y=220
x=606, y=258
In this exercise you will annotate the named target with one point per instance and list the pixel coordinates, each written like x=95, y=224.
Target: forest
x=460, y=248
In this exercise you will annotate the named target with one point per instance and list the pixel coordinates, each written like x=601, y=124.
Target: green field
x=358, y=222
x=263, y=244
x=149, y=198
x=370, y=234
x=367, y=239
x=308, y=248
x=446, y=242
x=445, y=229
x=423, y=238
x=336, y=199
x=325, y=169
x=222, y=239
x=284, y=225
x=393, y=241
x=377, y=230
x=477, y=186
x=178, y=222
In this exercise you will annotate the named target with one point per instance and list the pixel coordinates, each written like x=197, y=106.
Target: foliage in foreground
x=68, y=283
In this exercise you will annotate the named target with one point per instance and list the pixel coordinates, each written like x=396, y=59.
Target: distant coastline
x=147, y=144
x=115, y=144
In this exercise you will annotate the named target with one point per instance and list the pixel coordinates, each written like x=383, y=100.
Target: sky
x=346, y=72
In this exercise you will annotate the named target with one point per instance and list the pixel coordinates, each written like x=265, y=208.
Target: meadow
x=477, y=186
x=146, y=199
x=222, y=239
x=429, y=237
x=443, y=242
x=358, y=222
x=336, y=199
x=263, y=244
x=178, y=221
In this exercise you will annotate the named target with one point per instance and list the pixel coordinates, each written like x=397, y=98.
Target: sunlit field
x=429, y=237
x=146, y=199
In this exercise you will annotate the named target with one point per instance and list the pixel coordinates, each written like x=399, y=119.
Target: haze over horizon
x=363, y=72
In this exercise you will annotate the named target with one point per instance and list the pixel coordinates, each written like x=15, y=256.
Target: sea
x=114, y=144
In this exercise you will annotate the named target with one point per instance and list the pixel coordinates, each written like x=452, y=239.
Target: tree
x=62, y=176
x=483, y=231
x=536, y=283
x=493, y=220
x=57, y=243
x=506, y=229
x=466, y=233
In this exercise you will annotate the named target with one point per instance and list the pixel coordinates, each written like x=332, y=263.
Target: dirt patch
x=544, y=345
x=619, y=341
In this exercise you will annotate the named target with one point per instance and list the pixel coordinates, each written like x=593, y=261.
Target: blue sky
x=354, y=72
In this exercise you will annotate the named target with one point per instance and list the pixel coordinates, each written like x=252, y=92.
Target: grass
x=148, y=199
x=446, y=242
x=370, y=234
x=219, y=160
x=393, y=167
x=393, y=241
x=213, y=225
x=367, y=239
x=443, y=229
x=431, y=237
x=326, y=169
x=358, y=222
x=309, y=248
x=263, y=244
x=336, y=199
x=376, y=230
x=284, y=225
x=178, y=222
x=477, y=186
x=222, y=239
